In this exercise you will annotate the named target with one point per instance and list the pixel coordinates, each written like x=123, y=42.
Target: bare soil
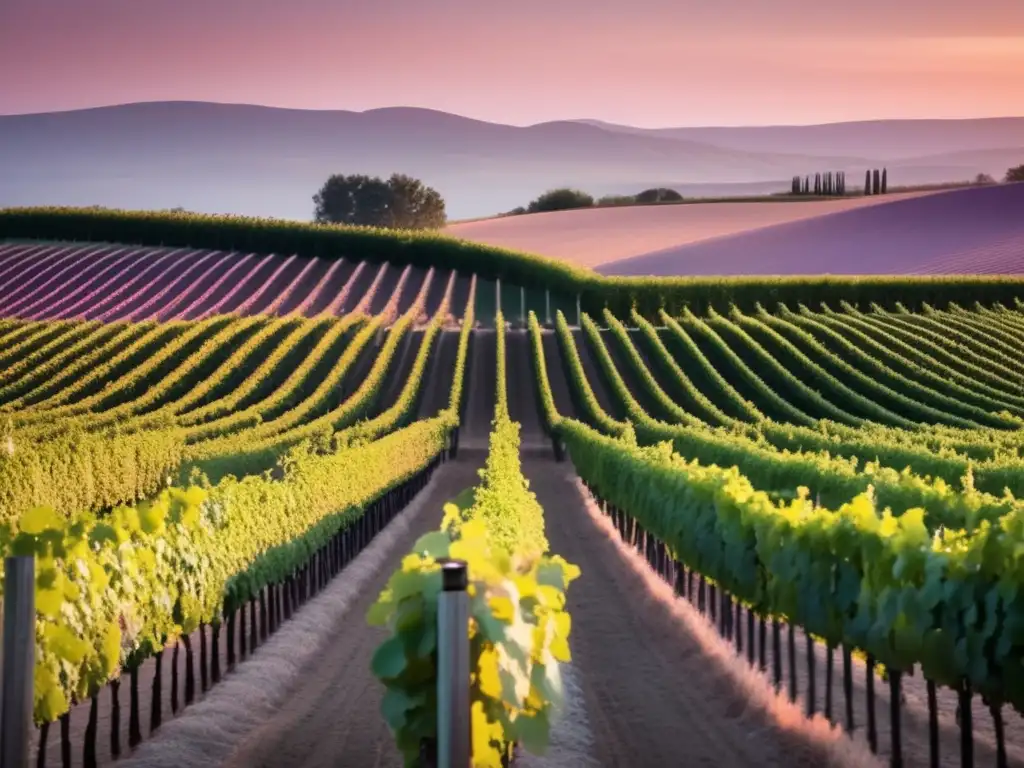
x=331, y=716
x=479, y=394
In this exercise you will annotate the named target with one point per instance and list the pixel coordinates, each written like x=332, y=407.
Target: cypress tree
x=807, y=185
x=867, y=182
x=885, y=181
x=877, y=187
x=817, y=183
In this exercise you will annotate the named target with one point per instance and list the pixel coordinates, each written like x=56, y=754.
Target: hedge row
x=115, y=589
x=620, y=294
x=948, y=601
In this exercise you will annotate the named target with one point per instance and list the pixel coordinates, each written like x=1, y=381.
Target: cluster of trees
x=875, y=182
x=401, y=202
x=566, y=198
x=828, y=183
x=1014, y=175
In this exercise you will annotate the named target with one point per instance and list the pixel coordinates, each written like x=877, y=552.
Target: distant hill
x=266, y=161
x=892, y=140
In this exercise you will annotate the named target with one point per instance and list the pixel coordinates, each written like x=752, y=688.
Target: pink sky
x=643, y=62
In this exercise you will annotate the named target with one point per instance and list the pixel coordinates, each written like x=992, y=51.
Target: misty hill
x=880, y=140
x=267, y=161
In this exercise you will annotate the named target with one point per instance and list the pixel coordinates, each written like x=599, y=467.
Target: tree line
x=403, y=202
x=825, y=184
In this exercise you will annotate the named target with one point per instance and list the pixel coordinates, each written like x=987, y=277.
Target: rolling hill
x=600, y=236
x=228, y=158
x=977, y=230
x=902, y=141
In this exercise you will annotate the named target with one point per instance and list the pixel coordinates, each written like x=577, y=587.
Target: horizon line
x=583, y=120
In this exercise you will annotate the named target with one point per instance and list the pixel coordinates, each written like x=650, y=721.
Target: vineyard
x=203, y=445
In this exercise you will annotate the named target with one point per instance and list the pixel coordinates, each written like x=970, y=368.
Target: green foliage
x=519, y=629
x=947, y=600
x=833, y=480
x=85, y=472
x=518, y=634
x=114, y=589
x=563, y=199
x=401, y=202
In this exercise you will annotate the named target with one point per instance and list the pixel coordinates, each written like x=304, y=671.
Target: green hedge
x=423, y=249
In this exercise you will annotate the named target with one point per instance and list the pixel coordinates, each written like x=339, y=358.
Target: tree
x=885, y=180
x=867, y=182
x=401, y=202
x=1015, y=174
x=659, y=195
x=414, y=205
x=877, y=186
x=983, y=179
x=563, y=199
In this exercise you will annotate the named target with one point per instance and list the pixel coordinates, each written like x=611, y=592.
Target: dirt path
x=437, y=384
x=523, y=404
x=652, y=695
x=398, y=372
x=332, y=717
x=561, y=390
x=479, y=394
x=597, y=377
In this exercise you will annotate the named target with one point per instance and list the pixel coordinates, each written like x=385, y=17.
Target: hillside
x=894, y=140
x=977, y=230
x=262, y=161
x=599, y=236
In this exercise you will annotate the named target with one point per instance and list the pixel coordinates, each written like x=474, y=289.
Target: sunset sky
x=643, y=62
